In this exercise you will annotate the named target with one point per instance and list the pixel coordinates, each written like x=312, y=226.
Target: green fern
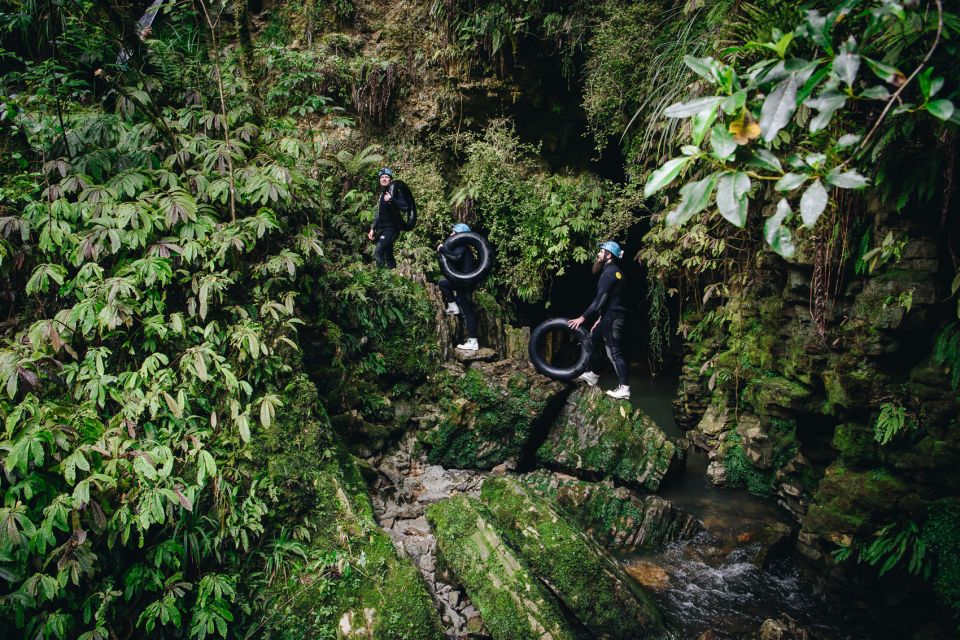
x=891, y=545
x=946, y=352
x=892, y=420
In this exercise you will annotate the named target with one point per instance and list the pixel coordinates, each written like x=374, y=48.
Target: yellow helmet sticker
x=619, y=275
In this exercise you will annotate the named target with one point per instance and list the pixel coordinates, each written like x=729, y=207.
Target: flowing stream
x=716, y=585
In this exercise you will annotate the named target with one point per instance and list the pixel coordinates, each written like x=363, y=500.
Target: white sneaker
x=452, y=308
x=620, y=393
x=470, y=345
x=589, y=377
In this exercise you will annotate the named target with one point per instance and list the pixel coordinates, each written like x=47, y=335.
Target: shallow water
x=710, y=583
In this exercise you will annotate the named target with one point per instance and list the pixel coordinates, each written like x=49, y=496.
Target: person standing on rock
x=459, y=297
x=611, y=316
x=388, y=223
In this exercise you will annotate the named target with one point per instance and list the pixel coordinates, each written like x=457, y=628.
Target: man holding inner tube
x=611, y=315
x=459, y=297
x=387, y=225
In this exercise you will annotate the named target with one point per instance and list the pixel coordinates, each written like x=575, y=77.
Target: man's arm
x=603, y=292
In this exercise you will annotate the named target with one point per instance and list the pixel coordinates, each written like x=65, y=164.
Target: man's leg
x=469, y=311
x=446, y=290
x=384, y=250
x=596, y=341
x=612, y=337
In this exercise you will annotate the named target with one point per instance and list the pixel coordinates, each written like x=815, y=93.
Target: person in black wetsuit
x=386, y=226
x=611, y=315
x=459, y=297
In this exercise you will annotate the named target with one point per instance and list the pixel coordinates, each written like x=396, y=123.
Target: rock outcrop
x=589, y=583
x=490, y=413
x=605, y=437
x=616, y=517
x=512, y=602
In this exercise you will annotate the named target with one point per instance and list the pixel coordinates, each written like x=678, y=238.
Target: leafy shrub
x=537, y=222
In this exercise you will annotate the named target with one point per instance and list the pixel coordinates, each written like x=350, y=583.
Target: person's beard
x=598, y=266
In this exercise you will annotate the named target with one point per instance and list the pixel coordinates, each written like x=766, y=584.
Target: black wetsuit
x=608, y=303
x=460, y=259
x=386, y=227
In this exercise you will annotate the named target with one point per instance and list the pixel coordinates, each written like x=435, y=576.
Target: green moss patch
x=491, y=412
x=587, y=580
x=512, y=602
x=351, y=576
x=597, y=434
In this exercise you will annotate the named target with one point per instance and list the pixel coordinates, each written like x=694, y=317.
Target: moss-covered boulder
x=512, y=602
x=353, y=583
x=615, y=517
x=490, y=413
x=606, y=437
x=581, y=574
x=849, y=503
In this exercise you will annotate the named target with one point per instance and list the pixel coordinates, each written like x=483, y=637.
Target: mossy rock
x=614, y=516
x=773, y=394
x=848, y=502
x=854, y=388
x=513, y=604
x=855, y=444
x=490, y=414
x=354, y=583
x=603, y=436
x=583, y=576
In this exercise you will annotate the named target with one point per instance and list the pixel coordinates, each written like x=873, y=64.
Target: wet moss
x=588, y=581
x=490, y=416
x=849, y=501
x=941, y=533
x=855, y=444
x=604, y=436
x=352, y=571
x=741, y=473
x=512, y=602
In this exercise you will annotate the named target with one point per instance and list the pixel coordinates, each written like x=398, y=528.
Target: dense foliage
x=158, y=227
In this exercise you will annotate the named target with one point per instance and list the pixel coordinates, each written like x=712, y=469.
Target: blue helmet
x=386, y=171
x=461, y=228
x=613, y=248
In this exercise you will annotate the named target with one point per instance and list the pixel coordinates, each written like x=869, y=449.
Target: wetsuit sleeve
x=606, y=282
x=456, y=255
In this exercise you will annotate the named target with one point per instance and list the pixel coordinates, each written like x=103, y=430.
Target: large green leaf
x=732, y=189
x=790, y=181
x=665, y=175
x=845, y=67
x=812, y=203
x=692, y=108
x=765, y=159
x=776, y=234
x=778, y=108
x=941, y=109
x=722, y=142
x=846, y=179
x=695, y=196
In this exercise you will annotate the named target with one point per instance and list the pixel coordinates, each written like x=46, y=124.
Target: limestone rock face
x=603, y=436
x=512, y=603
x=490, y=413
x=588, y=581
x=617, y=518
x=756, y=443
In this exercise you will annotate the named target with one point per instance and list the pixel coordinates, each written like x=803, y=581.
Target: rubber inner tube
x=537, y=339
x=484, y=258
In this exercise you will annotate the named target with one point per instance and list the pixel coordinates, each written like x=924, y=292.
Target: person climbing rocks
x=611, y=314
x=387, y=224
x=459, y=297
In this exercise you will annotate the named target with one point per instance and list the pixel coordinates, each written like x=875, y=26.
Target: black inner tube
x=484, y=258
x=538, y=337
